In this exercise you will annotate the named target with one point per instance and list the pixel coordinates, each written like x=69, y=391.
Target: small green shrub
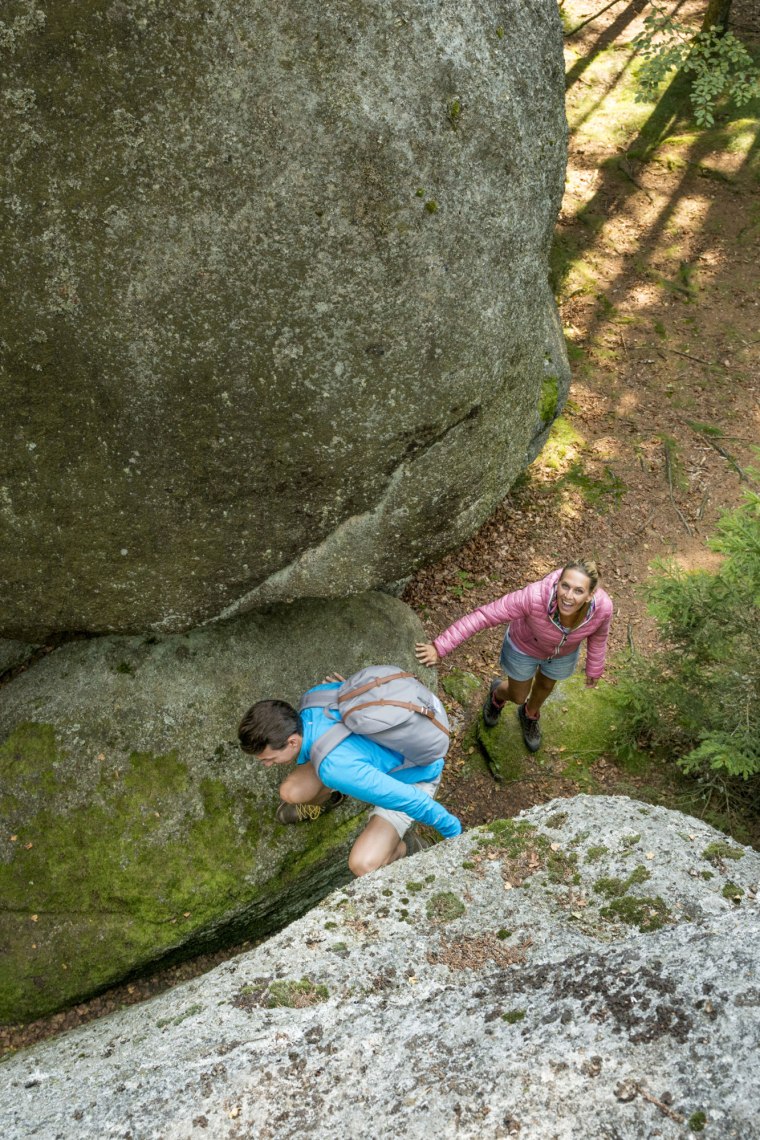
x=717, y=63
x=697, y=702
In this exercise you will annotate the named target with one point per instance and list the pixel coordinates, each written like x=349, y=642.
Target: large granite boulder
x=276, y=319
x=589, y=970
x=134, y=828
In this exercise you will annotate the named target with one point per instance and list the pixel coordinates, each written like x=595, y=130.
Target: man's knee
x=361, y=863
x=289, y=792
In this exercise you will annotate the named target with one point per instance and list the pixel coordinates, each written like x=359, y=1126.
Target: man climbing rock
x=349, y=763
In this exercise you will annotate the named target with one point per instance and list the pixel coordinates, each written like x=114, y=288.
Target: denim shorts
x=521, y=666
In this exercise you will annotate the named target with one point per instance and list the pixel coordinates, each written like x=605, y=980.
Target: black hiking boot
x=492, y=711
x=530, y=729
x=305, y=813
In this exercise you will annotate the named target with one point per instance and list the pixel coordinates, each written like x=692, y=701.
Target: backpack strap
x=326, y=742
x=404, y=705
x=319, y=699
x=372, y=683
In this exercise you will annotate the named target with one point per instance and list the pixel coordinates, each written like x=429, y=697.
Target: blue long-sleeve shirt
x=361, y=768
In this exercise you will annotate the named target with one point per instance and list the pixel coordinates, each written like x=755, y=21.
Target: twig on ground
x=702, y=505
x=688, y=356
x=629, y=635
x=664, y=1108
x=729, y=459
x=595, y=16
x=722, y=451
x=624, y=169
x=644, y=525
x=674, y=504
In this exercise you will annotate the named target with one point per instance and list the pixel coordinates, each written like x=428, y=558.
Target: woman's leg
x=540, y=690
x=512, y=690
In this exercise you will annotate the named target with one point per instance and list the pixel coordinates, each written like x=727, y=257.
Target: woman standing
x=547, y=622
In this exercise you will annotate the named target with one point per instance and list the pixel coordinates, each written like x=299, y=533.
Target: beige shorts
x=399, y=819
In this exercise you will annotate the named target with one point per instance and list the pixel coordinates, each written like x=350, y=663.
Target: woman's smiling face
x=573, y=591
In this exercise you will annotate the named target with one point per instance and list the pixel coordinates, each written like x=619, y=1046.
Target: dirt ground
x=656, y=271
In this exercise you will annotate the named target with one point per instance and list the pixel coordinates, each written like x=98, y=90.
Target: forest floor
x=656, y=266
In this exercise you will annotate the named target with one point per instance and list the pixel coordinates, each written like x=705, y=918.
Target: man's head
x=272, y=732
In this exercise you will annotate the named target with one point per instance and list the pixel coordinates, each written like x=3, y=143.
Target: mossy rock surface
x=577, y=725
x=135, y=830
x=462, y=685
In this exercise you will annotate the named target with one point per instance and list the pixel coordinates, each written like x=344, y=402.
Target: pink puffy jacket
x=530, y=627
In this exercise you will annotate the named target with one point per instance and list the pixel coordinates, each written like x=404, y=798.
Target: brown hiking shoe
x=530, y=729
x=306, y=813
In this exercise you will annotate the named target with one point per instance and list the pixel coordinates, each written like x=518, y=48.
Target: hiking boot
x=530, y=729
x=306, y=813
x=416, y=843
x=492, y=711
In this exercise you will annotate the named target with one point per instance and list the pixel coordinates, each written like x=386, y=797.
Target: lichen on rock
x=527, y=1011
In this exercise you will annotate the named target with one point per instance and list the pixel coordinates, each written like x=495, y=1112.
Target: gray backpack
x=390, y=707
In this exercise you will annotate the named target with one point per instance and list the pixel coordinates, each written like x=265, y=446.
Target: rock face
x=277, y=320
x=134, y=828
x=587, y=970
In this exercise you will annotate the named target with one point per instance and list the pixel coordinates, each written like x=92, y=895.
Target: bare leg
x=542, y=686
x=303, y=786
x=377, y=846
x=512, y=690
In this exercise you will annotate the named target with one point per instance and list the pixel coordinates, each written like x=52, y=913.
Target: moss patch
x=296, y=995
x=445, y=907
x=615, y=888
x=716, y=852
x=461, y=685
x=549, y=398
x=513, y=1015
x=648, y=914
x=141, y=873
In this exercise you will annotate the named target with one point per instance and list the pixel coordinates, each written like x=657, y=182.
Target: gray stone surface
x=477, y=990
x=13, y=653
x=277, y=319
x=133, y=825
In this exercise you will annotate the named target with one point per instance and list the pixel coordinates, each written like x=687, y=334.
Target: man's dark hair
x=268, y=724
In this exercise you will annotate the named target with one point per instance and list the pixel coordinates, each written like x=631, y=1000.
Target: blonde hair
x=586, y=566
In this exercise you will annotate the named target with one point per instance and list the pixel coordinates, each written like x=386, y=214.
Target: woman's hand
x=592, y=682
x=426, y=653
x=331, y=678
